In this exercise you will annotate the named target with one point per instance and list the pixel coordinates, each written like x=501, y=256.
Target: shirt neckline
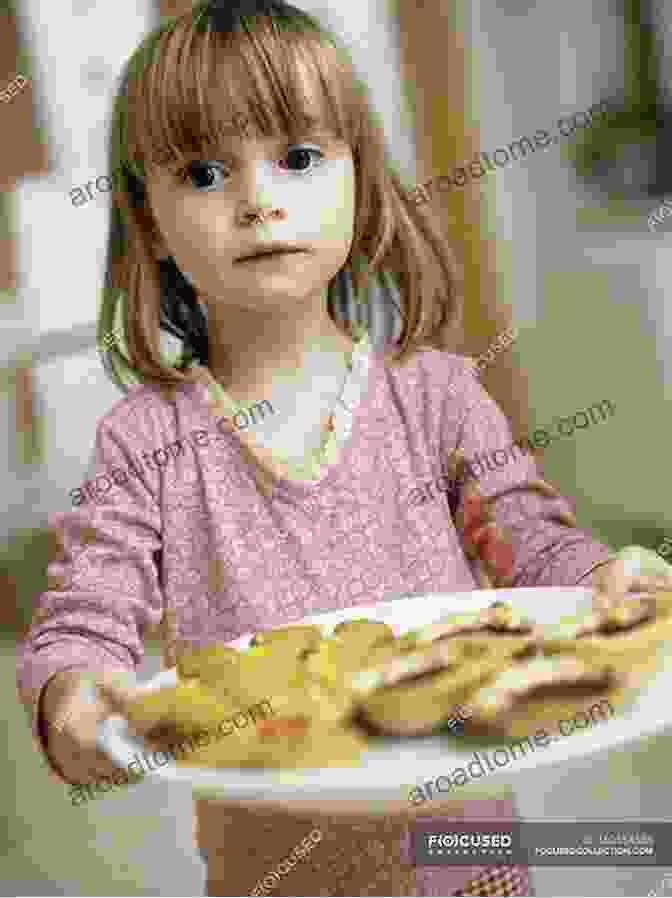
x=285, y=486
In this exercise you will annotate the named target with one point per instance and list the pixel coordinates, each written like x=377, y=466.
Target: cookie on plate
x=540, y=691
x=206, y=662
x=499, y=618
x=631, y=634
x=336, y=660
x=418, y=692
x=365, y=631
x=300, y=638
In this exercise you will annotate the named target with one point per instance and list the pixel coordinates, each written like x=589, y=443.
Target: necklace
x=339, y=421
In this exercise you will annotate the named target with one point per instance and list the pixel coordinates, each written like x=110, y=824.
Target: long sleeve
x=506, y=513
x=104, y=588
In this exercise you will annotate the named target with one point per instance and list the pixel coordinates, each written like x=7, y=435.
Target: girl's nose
x=258, y=197
x=259, y=215
x=259, y=183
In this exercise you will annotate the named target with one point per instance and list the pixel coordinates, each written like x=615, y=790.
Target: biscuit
x=511, y=675
x=301, y=638
x=542, y=689
x=204, y=661
x=185, y=707
x=362, y=630
x=337, y=659
x=630, y=634
x=416, y=694
x=498, y=618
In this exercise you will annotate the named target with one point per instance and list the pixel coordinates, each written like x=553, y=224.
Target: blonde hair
x=181, y=89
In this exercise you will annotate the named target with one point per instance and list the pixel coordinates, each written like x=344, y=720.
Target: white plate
x=391, y=771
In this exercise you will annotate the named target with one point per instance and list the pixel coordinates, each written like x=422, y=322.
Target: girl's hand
x=612, y=582
x=484, y=543
x=72, y=706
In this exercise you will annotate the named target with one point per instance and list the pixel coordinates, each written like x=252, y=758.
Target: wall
x=589, y=299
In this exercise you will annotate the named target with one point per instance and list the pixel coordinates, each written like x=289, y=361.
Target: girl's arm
x=515, y=527
x=103, y=584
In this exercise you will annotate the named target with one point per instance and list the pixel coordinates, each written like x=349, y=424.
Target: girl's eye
x=299, y=158
x=201, y=175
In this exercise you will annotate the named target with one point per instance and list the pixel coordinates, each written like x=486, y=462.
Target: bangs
x=266, y=79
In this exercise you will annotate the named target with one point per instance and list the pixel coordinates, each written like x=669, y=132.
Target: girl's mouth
x=277, y=251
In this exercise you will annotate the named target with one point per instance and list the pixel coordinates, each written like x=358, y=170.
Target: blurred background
x=557, y=243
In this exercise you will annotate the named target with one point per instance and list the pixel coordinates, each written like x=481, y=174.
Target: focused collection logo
x=466, y=843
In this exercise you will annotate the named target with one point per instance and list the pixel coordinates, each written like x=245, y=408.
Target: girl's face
x=206, y=214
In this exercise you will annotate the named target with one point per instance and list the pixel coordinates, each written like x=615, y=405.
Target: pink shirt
x=196, y=539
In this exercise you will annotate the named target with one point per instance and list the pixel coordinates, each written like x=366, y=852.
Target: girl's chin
x=257, y=297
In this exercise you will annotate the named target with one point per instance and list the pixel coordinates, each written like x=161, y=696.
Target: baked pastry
x=498, y=618
x=298, y=723
x=628, y=633
x=495, y=701
x=263, y=671
x=287, y=742
x=335, y=660
x=204, y=662
x=491, y=672
x=370, y=631
x=417, y=693
x=544, y=692
x=581, y=662
x=301, y=637
x=185, y=708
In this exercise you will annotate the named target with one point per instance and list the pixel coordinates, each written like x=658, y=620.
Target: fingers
x=115, y=699
x=635, y=584
x=93, y=771
x=650, y=584
x=610, y=592
x=92, y=764
x=602, y=602
x=102, y=768
x=79, y=760
x=117, y=688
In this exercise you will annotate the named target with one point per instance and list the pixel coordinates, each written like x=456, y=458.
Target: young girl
x=257, y=201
